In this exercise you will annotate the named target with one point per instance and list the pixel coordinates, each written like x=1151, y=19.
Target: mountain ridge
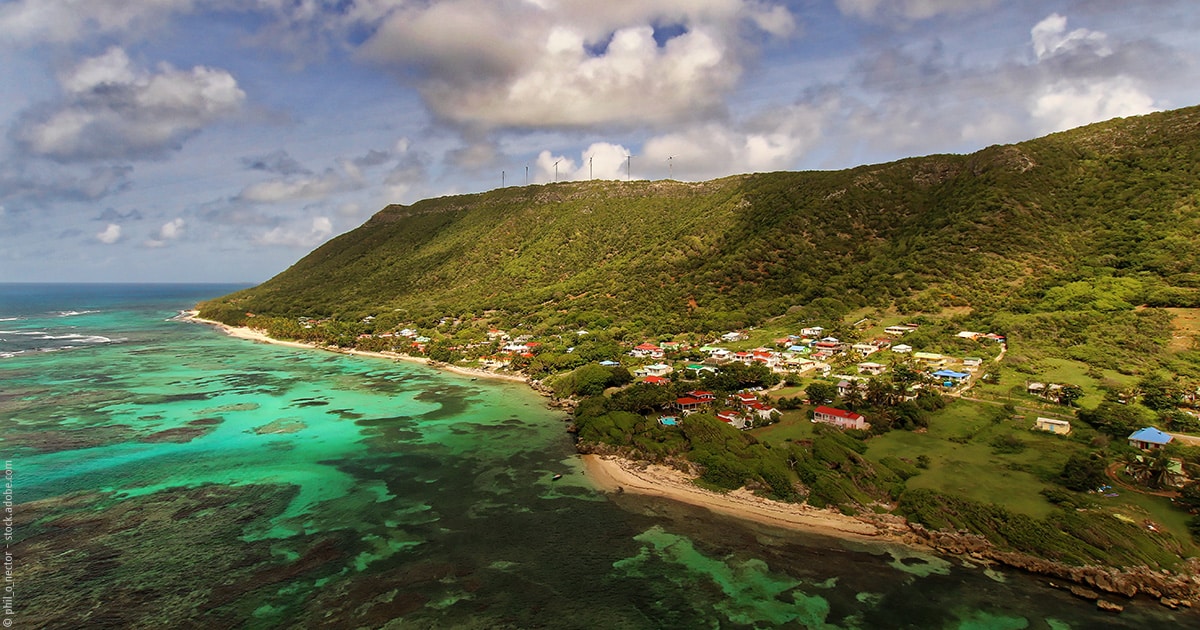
x=987, y=230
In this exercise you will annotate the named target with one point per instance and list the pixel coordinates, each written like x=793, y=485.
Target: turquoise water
x=168, y=475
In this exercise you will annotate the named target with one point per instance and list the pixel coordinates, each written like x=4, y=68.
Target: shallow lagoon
x=170, y=475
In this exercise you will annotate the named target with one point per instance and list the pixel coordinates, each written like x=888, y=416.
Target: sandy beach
x=616, y=474
x=250, y=334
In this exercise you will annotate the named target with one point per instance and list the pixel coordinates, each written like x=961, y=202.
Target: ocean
x=166, y=475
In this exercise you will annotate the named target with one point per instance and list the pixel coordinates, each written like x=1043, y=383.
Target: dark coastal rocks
x=1174, y=590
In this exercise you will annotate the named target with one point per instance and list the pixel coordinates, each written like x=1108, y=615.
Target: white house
x=840, y=418
x=1050, y=425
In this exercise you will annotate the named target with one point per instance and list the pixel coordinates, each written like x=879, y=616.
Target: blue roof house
x=1149, y=438
x=951, y=375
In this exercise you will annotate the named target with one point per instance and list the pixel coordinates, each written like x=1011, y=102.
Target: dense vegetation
x=1043, y=236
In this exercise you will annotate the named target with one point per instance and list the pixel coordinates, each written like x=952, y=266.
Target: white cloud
x=771, y=141
x=1069, y=104
x=110, y=234
x=169, y=231
x=570, y=63
x=112, y=109
x=312, y=235
x=1050, y=37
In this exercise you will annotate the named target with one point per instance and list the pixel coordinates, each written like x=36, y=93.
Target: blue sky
x=221, y=140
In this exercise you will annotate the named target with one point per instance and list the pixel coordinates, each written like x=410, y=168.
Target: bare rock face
x=1105, y=605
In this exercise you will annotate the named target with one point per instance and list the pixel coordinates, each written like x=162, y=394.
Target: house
x=966, y=334
x=607, y=363
x=930, y=358
x=972, y=362
x=813, y=331
x=1035, y=388
x=687, y=404
x=656, y=380
x=950, y=376
x=763, y=411
x=845, y=387
x=1149, y=439
x=839, y=418
x=874, y=369
x=825, y=345
x=898, y=331
x=644, y=350
x=865, y=349
x=658, y=369
x=1050, y=425
x=744, y=398
x=720, y=355
x=731, y=417
x=902, y=348
x=733, y=336
x=700, y=394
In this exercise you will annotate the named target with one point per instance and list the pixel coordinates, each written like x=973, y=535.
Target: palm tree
x=1159, y=473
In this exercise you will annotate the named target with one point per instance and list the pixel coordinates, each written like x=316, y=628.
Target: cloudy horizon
x=214, y=140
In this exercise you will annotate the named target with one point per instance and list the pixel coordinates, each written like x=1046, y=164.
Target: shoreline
x=611, y=473
x=251, y=334
x=615, y=474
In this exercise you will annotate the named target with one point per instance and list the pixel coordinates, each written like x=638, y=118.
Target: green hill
x=1098, y=219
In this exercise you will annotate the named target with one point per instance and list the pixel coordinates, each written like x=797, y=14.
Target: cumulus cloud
x=1067, y=104
x=310, y=235
x=171, y=230
x=1085, y=79
x=773, y=140
x=110, y=234
x=112, y=109
x=1050, y=37
x=485, y=65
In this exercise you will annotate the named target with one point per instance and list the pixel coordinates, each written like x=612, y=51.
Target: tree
x=1083, y=472
x=1189, y=496
x=1157, y=393
x=1069, y=394
x=819, y=392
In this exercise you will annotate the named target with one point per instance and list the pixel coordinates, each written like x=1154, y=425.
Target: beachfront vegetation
x=1081, y=249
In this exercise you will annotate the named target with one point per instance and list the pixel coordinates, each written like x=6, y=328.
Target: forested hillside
x=1098, y=219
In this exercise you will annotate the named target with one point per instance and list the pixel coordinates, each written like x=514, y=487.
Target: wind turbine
x=502, y=179
x=628, y=166
x=590, y=176
x=556, y=170
x=670, y=167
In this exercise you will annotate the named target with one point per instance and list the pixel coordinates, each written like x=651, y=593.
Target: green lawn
x=973, y=469
x=793, y=425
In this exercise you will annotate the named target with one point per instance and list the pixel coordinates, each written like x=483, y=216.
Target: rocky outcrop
x=1174, y=590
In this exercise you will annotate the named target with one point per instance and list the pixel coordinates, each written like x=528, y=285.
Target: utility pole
x=502, y=179
x=526, y=174
x=628, y=167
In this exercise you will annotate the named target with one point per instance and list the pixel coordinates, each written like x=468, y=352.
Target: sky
x=222, y=140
